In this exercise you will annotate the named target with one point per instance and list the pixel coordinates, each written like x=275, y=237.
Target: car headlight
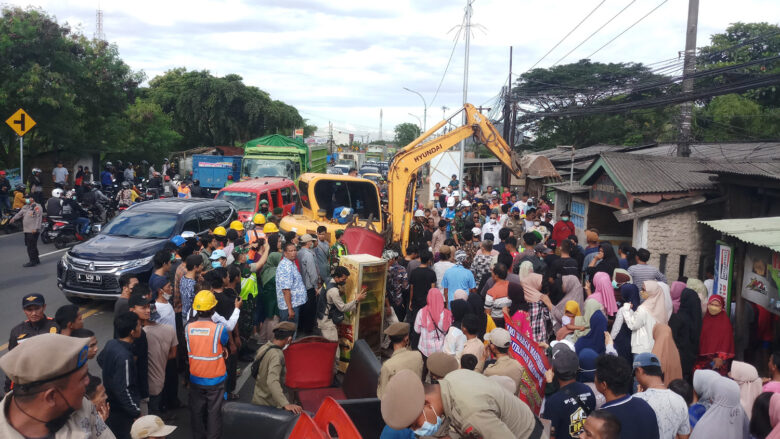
x=138, y=262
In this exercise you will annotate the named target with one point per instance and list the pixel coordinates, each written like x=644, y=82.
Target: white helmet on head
x=465, y=203
x=455, y=193
x=419, y=213
x=70, y=194
x=451, y=202
x=56, y=193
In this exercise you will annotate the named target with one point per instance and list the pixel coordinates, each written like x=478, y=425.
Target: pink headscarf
x=774, y=416
x=654, y=304
x=433, y=312
x=604, y=293
x=772, y=386
x=676, y=292
x=532, y=285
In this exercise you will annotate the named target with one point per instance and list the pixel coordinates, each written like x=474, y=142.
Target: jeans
x=83, y=225
x=284, y=316
x=5, y=203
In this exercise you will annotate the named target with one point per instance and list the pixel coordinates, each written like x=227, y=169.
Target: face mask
x=166, y=296
x=536, y=223
x=714, y=309
x=342, y=283
x=614, y=284
x=215, y=264
x=492, y=220
x=26, y=201
x=643, y=295
x=565, y=218
x=427, y=428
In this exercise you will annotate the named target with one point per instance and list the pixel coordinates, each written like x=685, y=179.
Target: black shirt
x=226, y=303
x=421, y=280
x=562, y=267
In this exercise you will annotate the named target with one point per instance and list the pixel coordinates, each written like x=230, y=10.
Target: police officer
x=271, y=370
x=206, y=342
x=403, y=358
x=440, y=364
x=48, y=397
x=464, y=402
x=37, y=323
x=32, y=218
x=505, y=364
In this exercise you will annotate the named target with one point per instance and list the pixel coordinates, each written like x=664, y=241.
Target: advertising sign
x=215, y=164
x=760, y=279
x=724, y=263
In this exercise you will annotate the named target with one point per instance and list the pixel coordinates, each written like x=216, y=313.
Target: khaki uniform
x=269, y=389
x=506, y=366
x=84, y=423
x=401, y=359
x=517, y=226
x=476, y=348
x=326, y=325
x=478, y=407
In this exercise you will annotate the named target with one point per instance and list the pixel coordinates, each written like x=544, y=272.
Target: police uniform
x=401, y=359
x=23, y=365
x=517, y=226
x=269, y=389
x=27, y=329
x=505, y=365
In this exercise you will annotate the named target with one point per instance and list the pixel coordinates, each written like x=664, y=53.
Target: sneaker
x=29, y=264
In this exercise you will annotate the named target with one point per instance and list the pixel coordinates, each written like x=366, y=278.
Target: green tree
x=406, y=132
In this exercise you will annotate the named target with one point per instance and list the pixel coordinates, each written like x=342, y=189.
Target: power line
x=567, y=35
x=454, y=46
x=594, y=33
x=627, y=29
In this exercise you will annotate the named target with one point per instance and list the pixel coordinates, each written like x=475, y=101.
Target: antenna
x=99, y=34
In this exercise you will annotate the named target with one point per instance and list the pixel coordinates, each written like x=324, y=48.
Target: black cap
x=138, y=300
x=33, y=299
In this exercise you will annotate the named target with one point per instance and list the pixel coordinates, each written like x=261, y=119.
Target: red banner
x=535, y=364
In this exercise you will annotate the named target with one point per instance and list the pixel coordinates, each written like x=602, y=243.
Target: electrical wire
x=594, y=33
x=454, y=46
x=627, y=29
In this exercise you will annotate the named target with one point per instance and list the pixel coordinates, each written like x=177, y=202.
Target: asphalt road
x=17, y=281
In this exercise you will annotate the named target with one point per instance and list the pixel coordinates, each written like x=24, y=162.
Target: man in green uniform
x=337, y=250
x=463, y=404
x=402, y=359
x=515, y=223
x=505, y=364
x=269, y=389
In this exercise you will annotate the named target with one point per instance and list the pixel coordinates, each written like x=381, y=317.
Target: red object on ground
x=360, y=240
x=310, y=362
x=305, y=428
x=331, y=414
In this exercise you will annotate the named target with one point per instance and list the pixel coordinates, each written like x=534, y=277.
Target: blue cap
x=646, y=359
x=216, y=254
x=178, y=240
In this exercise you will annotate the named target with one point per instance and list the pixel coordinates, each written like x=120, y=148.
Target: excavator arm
x=406, y=163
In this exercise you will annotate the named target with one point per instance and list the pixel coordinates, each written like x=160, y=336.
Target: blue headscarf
x=595, y=338
x=630, y=294
x=587, y=372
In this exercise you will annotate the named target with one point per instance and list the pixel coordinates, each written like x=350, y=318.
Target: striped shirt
x=642, y=272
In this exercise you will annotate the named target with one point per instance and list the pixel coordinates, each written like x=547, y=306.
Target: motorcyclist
x=94, y=199
x=5, y=193
x=119, y=172
x=19, y=197
x=196, y=191
x=36, y=185
x=54, y=204
x=169, y=187
x=125, y=195
x=155, y=181
x=73, y=212
x=106, y=177
x=184, y=189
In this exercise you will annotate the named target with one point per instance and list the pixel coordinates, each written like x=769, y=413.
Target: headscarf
x=459, y=309
x=573, y=307
x=604, y=293
x=716, y=332
x=654, y=304
x=725, y=417
x=701, y=291
x=675, y=292
x=587, y=372
x=630, y=294
x=774, y=416
x=591, y=306
x=668, y=305
x=460, y=294
x=772, y=386
x=433, y=312
x=746, y=376
x=572, y=291
x=477, y=307
x=516, y=294
x=532, y=285
x=526, y=268
x=686, y=329
x=269, y=269
x=595, y=338
x=666, y=351
x=702, y=385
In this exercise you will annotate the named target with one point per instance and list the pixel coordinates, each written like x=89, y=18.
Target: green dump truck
x=281, y=156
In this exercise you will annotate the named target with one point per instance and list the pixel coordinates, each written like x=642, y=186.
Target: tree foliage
x=406, y=132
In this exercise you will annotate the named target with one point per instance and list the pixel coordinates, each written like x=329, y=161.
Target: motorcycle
x=5, y=222
x=46, y=233
x=66, y=232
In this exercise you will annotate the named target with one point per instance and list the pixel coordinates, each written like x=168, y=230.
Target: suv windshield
x=242, y=200
x=268, y=168
x=144, y=225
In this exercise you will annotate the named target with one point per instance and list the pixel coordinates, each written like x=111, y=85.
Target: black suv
x=125, y=246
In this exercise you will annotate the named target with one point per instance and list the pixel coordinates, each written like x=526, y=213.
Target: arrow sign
x=21, y=122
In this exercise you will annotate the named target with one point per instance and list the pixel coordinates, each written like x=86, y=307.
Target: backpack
x=256, y=364
x=322, y=305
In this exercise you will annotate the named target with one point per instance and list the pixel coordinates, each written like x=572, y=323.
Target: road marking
x=51, y=253
x=10, y=235
x=85, y=312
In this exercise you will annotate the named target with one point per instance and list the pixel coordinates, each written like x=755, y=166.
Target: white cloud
x=344, y=60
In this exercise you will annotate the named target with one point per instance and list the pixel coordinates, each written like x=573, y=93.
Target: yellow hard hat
x=270, y=228
x=219, y=231
x=204, y=301
x=259, y=219
x=237, y=225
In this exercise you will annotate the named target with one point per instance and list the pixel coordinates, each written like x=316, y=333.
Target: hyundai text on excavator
x=401, y=178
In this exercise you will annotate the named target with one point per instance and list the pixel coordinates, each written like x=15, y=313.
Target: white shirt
x=709, y=284
x=641, y=323
x=521, y=205
x=671, y=411
x=454, y=342
x=165, y=314
x=491, y=228
x=440, y=268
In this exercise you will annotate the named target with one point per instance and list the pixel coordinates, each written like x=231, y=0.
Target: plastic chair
x=305, y=428
x=331, y=414
x=310, y=363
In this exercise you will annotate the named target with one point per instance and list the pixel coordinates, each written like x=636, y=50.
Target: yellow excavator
x=401, y=174
x=321, y=191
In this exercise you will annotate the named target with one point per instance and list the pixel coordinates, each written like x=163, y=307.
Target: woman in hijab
x=666, y=351
x=774, y=416
x=517, y=313
x=621, y=333
x=716, y=345
x=725, y=418
x=572, y=291
x=686, y=329
x=760, y=422
x=591, y=306
x=455, y=340
x=587, y=373
x=526, y=268
x=642, y=321
x=266, y=307
x=701, y=291
x=746, y=376
x=432, y=323
x=654, y=296
x=605, y=261
x=477, y=307
x=675, y=292
x=538, y=314
x=604, y=293
x=668, y=304
x=594, y=339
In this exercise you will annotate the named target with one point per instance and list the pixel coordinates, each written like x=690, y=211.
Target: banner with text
x=534, y=361
x=724, y=263
x=761, y=278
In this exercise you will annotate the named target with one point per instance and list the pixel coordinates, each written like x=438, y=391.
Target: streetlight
x=425, y=108
x=419, y=122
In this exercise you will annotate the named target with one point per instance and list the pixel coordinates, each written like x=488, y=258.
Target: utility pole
x=507, y=100
x=465, y=90
x=689, y=67
x=380, y=124
x=330, y=138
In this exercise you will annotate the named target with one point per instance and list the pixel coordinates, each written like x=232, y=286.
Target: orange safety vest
x=184, y=192
x=207, y=366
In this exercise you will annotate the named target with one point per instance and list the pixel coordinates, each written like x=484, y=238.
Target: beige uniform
x=517, y=226
x=84, y=423
x=401, y=359
x=506, y=366
x=326, y=325
x=478, y=407
x=270, y=376
x=477, y=348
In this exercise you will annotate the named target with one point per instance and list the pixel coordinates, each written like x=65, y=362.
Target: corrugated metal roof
x=657, y=174
x=747, y=151
x=764, y=232
x=768, y=169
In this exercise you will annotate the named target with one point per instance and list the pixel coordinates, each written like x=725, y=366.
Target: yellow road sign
x=21, y=122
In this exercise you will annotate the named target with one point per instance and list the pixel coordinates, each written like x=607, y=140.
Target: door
x=287, y=200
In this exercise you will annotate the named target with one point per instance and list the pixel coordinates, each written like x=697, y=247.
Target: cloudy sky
x=343, y=60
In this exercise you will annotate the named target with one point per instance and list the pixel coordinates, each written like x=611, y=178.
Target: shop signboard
x=724, y=263
x=605, y=191
x=760, y=278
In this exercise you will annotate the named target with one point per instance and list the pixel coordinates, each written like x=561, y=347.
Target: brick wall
x=679, y=233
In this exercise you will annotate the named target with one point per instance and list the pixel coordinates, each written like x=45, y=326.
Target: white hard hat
x=56, y=193
x=451, y=202
x=455, y=193
x=419, y=213
x=465, y=203
x=476, y=231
